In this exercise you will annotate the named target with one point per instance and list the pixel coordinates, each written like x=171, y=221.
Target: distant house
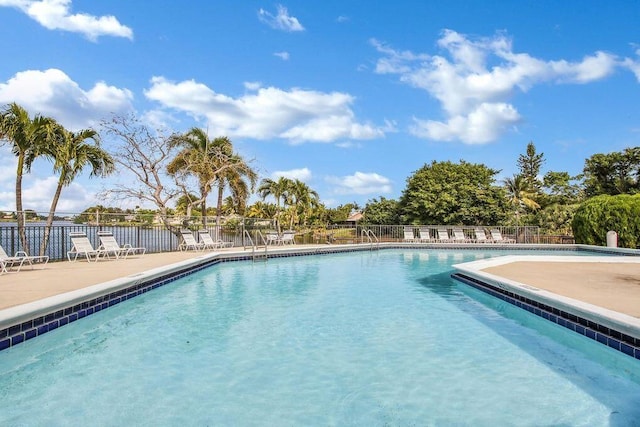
x=354, y=218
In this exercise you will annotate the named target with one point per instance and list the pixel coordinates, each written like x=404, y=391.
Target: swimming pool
x=365, y=338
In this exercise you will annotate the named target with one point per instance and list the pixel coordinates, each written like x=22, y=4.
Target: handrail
x=246, y=232
x=254, y=247
x=371, y=237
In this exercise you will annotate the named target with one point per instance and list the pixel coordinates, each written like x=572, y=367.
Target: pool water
x=366, y=338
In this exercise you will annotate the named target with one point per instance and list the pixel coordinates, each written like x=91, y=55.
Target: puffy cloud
x=37, y=194
x=53, y=93
x=303, y=174
x=281, y=21
x=475, y=79
x=485, y=124
x=360, y=183
x=56, y=15
x=297, y=115
x=282, y=55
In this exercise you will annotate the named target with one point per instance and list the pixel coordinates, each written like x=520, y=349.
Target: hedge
x=598, y=215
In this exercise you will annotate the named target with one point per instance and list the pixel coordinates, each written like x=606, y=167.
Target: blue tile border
x=610, y=337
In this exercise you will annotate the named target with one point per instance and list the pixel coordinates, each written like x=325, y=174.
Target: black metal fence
x=242, y=233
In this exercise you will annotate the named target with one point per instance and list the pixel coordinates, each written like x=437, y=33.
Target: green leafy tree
x=71, y=154
x=562, y=188
x=529, y=165
x=341, y=213
x=28, y=138
x=449, y=193
x=381, y=212
x=555, y=218
x=613, y=173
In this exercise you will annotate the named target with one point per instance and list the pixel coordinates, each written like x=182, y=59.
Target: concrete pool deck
x=604, y=283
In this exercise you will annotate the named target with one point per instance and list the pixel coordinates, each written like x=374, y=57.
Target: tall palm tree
x=28, y=137
x=519, y=194
x=279, y=190
x=234, y=175
x=199, y=157
x=71, y=154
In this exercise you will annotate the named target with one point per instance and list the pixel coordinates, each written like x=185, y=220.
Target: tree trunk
x=219, y=205
x=52, y=211
x=203, y=207
x=19, y=210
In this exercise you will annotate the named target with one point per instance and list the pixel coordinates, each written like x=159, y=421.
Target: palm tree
x=71, y=155
x=279, y=190
x=302, y=199
x=197, y=159
x=261, y=210
x=234, y=172
x=28, y=137
x=519, y=194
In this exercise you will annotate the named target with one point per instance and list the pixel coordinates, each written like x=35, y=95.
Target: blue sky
x=348, y=97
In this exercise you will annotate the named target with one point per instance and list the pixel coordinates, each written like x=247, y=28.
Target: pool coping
x=26, y=321
x=614, y=329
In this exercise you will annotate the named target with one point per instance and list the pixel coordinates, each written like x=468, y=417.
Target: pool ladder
x=257, y=255
x=371, y=237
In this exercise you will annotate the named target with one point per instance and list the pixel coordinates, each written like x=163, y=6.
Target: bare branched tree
x=145, y=154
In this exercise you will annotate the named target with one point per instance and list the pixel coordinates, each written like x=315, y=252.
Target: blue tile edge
x=603, y=334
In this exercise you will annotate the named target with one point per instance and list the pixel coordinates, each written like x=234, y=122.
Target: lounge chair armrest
x=21, y=254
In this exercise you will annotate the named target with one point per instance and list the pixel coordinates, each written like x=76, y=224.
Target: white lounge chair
x=83, y=247
x=189, y=242
x=481, y=236
x=459, y=237
x=425, y=235
x=8, y=262
x=496, y=236
x=288, y=238
x=209, y=243
x=272, y=238
x=409, y=236
x=109, y=244
x=442, y=235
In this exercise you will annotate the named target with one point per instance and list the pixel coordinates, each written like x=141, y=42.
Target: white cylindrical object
x=612, y=239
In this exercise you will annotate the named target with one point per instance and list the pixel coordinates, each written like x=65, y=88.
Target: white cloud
x=282, y=55
x=252, y=86
x=302, y=174
x=56, y=15
x=475, y=80
x=281, y=21
x=633, y=65
x=342, y=19
x=485, y=124
x=37, y=194
x=360, y=183
x=53, y=93
x=297, y=115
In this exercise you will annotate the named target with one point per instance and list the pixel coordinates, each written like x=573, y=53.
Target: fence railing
x=157, y=238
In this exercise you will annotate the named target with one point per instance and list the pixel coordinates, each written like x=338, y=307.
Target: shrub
x=597, y=215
